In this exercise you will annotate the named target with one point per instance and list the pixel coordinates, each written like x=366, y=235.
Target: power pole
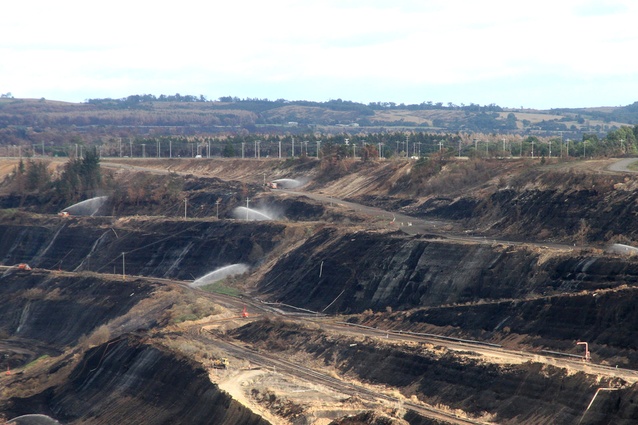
x=185, y=206
x=532, y=149
x=280, y=149
x=170, y=148
x=318, y=145
x=143, y=150
x=293, y=147
x=123, y=267
x=130, y=143
x=242, y=149
x=217, y=210
x=247, y=203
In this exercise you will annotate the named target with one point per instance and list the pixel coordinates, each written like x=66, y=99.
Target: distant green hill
x=21, y=119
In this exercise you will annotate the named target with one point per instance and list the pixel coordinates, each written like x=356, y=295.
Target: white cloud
x=366, y=48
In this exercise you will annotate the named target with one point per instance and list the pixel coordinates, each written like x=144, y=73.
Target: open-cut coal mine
x=307, y=291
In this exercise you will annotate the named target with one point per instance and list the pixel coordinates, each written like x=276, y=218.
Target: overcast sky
x=541, y=54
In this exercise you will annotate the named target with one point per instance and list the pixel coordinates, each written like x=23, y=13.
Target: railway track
x=261, y=309
x=313, y=376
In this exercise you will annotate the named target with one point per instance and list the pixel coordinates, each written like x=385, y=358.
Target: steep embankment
x=129, y=381
x=553, y=297
x=605, y=211
x=607, y=320
x=181, y=249
x=47, y=312
x=55, y=329
x=527, y=393
x=516, y=200
x=551, y=206
x=356, y=271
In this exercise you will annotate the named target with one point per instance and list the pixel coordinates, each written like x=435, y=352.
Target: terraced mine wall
x=552, y=297
x=601, y=212
x=353, y=272
x=45, y=312
x=124, y=380
x=528, y=393
x=349, y=273
x=179, y=249
x=129, y=381
x=607, y=321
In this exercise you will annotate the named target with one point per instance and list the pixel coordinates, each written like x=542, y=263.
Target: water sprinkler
x=587, y=357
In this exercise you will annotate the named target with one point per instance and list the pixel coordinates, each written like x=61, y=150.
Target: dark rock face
x=609, y=322
x=128, y=381
x=613, y=407
x=124, y=381
x=365, y=418
x=528, y=393
x=448, y=208
x=414, y=418
x=173, y=249
x=362, y=271
x=503, y=289
x=508, y=392
x=546, y=214
x=55, y=311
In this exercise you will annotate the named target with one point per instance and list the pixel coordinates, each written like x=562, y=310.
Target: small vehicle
x=63, y=214
x=220, y=363
x=23, y=266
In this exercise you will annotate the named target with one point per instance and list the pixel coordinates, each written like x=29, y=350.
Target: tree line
x=622, y=141
x=265, y=103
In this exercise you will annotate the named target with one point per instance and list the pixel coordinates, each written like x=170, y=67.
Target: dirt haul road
x=492, y=352
x=310, y=375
